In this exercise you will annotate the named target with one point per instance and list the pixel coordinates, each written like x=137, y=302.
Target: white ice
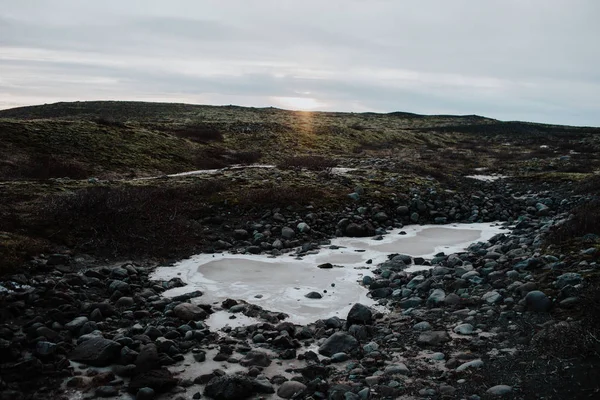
x=282, y=282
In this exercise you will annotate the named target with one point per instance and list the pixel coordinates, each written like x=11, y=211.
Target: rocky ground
x=513, y=317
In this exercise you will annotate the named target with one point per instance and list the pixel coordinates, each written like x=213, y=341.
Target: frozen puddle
x=281, y=283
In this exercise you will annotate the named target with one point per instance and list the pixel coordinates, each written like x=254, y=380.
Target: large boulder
x=97, y=352
x=339, y=342
x=189, y=312
x=359, y=314
x=230, y=387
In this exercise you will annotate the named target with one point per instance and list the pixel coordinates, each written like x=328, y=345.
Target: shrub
x=43, y=167
x=312, y=163
x=585, y=219
x=108, y=121
x=199, y=132
x=128, y=220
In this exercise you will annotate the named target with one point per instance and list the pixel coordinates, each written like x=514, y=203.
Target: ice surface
x=282, y=282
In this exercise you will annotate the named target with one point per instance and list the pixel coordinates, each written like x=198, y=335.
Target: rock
x=256, y=358
x=287, y=233
x=339, y=342
x=45, y=349
x=422, y=326
x=147, y=359
x=380, y=217
x=145, y=393
x=355, y=230
x=240, y=234
x=189, y=312
x=230, y=387
x=402, y=210
x=120, y=286
x=313, y=295
x=76, y=324
x=290, y=388
x=499, y=390
x=410, y=302
x=464, y=329
x=160, y=380
x=470, y=365
x=433, y=338
x=537, y=301
x=396, y=369
x=325, y=266
x=414, y=217
x=570, y=278
x=97, y=352
x=359, y=314
x=436, y=297
x=107, y=391
x=303, y=227
x=263, y=386
x=492, y=297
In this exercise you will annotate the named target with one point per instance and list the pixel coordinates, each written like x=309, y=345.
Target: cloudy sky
x=535, y=60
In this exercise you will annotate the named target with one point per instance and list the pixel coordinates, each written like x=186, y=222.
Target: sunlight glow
x=298, y=103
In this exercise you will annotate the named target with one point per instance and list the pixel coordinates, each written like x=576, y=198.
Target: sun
x=298, y=103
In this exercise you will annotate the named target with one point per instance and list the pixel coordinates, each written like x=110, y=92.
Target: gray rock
x=263, y=386
x=145, y=394
x=121, y=286
x=303, y=227
x=289, y=389
x=422, y=326
x=76, y=324
x=230, y=387
x=436, y=297
x=359, y=314
x=414, y=217
x=107, y=391
x=160, y=380
x=492, y=297
x=570, y=278
x=189, y=312
x=464, y=329
x=287, y=233
x=396, y=369
x=410, y=302
x=474, y=364
x=256, y=358
x=97, y=352
x=356, y=230
x=537, y=301
x=402, y=210
x=339, y=342
x=433, y=338
x=499, y=390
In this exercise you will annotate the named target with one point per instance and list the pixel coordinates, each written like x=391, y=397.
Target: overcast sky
x=536, y=60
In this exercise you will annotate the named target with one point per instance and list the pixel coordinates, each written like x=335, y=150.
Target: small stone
x=464, y=329
x=470, y=365
x=499, y=390
x=422, y=326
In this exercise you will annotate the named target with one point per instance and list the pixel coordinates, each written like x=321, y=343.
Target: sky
x=532, y=60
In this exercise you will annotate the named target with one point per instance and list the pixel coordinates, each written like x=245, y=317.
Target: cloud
x=505, y=59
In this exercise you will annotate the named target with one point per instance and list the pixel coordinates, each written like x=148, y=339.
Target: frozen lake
x=281, y=283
